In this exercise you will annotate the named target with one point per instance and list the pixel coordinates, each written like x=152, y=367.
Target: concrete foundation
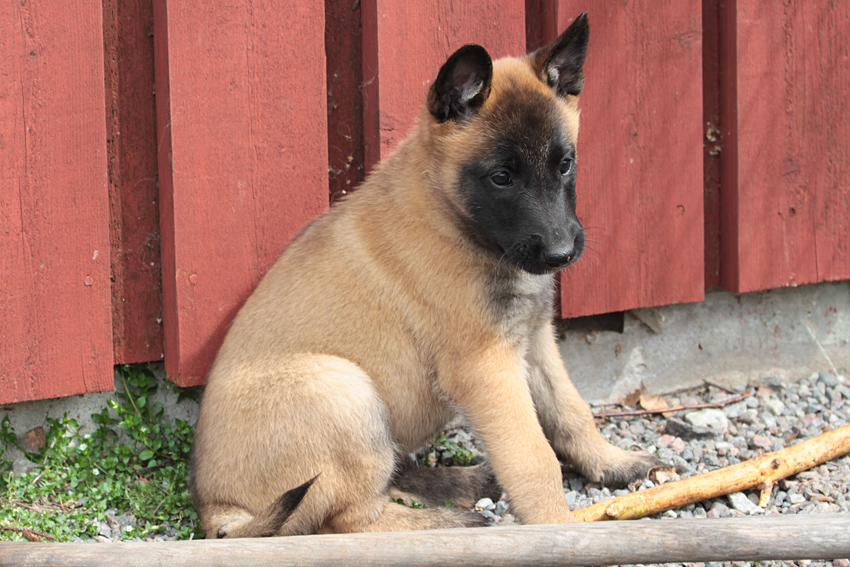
x=729, y=338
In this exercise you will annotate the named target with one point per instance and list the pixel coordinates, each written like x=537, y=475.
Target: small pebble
x=714, y=418
x=796, y=498
x=741, y=503
x=776, y=406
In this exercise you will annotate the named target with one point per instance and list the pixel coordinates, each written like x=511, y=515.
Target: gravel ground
x=695, y=441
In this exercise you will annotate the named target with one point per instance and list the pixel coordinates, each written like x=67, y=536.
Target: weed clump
x=134, y=462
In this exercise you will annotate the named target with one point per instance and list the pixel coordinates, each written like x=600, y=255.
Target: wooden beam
x=732, y=539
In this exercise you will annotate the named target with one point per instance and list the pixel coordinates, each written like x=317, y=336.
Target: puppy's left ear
x=462, y=85
x=560, y=63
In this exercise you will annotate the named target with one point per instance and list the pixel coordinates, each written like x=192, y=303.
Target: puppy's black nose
x=559, y=258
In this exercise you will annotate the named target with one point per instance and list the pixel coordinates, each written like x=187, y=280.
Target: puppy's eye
x=566, y=166
x=501, y=179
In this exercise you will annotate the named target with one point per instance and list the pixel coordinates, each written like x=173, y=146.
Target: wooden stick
x=819, y=536
x=763, y=470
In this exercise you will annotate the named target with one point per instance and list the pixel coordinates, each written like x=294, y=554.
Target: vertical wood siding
x=241, y=115
x=640, y=181
x=55, y=321
x=786, y=149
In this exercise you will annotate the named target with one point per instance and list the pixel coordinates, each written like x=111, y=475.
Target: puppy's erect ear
x=462, y=85
x=559, y=64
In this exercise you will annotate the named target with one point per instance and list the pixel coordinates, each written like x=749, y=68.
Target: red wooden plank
x=712, y=141
x=241, y=116
x=785, y=174
x=55, y=328
x=404, y=45
x=131, y=143
x=344, y=50
x=640, y=183
x=540, y=23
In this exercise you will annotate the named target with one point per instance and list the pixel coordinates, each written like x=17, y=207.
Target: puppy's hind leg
x=269, y=432
x=315, y=416
x=446, y=486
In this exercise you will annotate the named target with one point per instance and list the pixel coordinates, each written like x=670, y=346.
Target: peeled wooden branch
x=761, y=472
x=819, y=536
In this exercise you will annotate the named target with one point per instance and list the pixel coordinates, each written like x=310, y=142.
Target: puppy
x=425, y=293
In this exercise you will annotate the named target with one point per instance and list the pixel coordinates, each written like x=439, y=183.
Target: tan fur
x=368, y=335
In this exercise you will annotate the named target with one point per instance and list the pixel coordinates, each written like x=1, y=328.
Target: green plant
x=7, y=439
x=449, y=453
x=134, y=462
x=415, y=504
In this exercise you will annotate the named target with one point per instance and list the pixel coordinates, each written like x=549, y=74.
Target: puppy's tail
x=269, y=521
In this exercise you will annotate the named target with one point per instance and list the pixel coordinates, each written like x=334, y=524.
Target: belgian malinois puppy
x=425, y=293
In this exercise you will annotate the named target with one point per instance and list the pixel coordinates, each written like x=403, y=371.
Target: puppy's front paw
x=621, y=468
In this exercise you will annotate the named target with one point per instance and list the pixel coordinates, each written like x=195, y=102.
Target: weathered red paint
x=712, y=138
x=343, y=47
x=55, y=327
x=404, y=45
x=785, y=176
x=640, y=181
x=242, y=124
x=133, y=189
x=541, y=23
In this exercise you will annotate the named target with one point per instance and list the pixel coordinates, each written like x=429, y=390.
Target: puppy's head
x=505, y=132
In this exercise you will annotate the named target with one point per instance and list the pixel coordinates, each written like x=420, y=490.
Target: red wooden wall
x=55, y=323
x=158, y=155
x=786, y=149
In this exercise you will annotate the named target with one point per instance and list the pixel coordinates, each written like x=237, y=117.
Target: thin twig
x=721, y=387
x=41, y=507
x=44, y=470
x=33, y=508
x=719, y=404
x=165, y=462
x=155, y=510
x=682, y=390
x=21, y=530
